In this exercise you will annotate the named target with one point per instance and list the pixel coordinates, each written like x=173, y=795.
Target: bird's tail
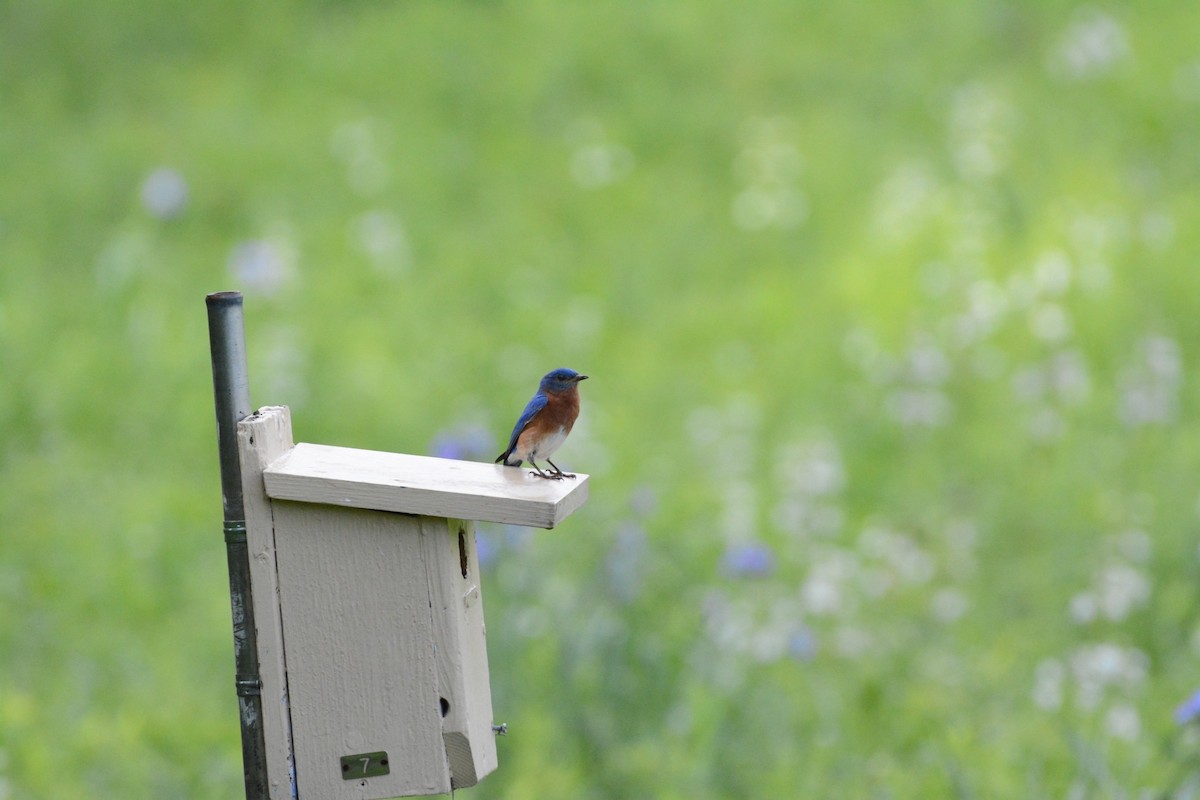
x=503, y=457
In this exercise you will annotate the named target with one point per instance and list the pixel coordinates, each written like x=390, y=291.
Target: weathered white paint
x=360, y=649
x=461, y=648
x=437, y=487
x=263, y=438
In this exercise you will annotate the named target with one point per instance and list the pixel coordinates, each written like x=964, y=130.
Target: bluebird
x=545, y=423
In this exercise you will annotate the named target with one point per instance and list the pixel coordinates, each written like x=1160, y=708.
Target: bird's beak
x=579, y=378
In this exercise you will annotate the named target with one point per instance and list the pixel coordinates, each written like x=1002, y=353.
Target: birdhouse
x=368, y=610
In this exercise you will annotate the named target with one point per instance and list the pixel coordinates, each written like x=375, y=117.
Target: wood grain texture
x=262, y=438
x=360, y=650
x=438, y=487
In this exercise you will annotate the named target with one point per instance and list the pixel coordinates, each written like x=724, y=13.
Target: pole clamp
x=235, y=531
x=248, y=687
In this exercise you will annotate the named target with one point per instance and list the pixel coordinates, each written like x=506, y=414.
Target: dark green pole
x=231, y=389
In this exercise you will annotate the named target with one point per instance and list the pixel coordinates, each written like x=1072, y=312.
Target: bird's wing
x=531, y=409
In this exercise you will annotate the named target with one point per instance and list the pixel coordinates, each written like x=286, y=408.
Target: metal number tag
x=365, y=765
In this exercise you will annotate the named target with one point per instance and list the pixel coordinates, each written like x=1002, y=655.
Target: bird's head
x=560, y=380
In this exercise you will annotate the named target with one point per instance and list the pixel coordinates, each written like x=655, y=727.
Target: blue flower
x=465, y=442
x=486, y=551
x=1188, y=710
x=751, y=560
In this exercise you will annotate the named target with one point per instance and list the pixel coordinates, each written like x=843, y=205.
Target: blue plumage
x=535, y=404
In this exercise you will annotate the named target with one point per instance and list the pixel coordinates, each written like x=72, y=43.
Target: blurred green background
x=890, y=315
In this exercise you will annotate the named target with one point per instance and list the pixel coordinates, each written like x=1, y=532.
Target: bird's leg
x=558, y=473
x=540, y=474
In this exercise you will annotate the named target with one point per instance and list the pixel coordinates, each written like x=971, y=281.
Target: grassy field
x=891, y=319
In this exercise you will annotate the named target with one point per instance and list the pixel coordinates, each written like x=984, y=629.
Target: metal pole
x=231, y=389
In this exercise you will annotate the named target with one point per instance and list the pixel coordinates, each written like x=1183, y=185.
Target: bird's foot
x=550, y=476
x=558, y=473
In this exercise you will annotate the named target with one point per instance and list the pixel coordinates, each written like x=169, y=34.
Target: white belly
x=546, y=447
